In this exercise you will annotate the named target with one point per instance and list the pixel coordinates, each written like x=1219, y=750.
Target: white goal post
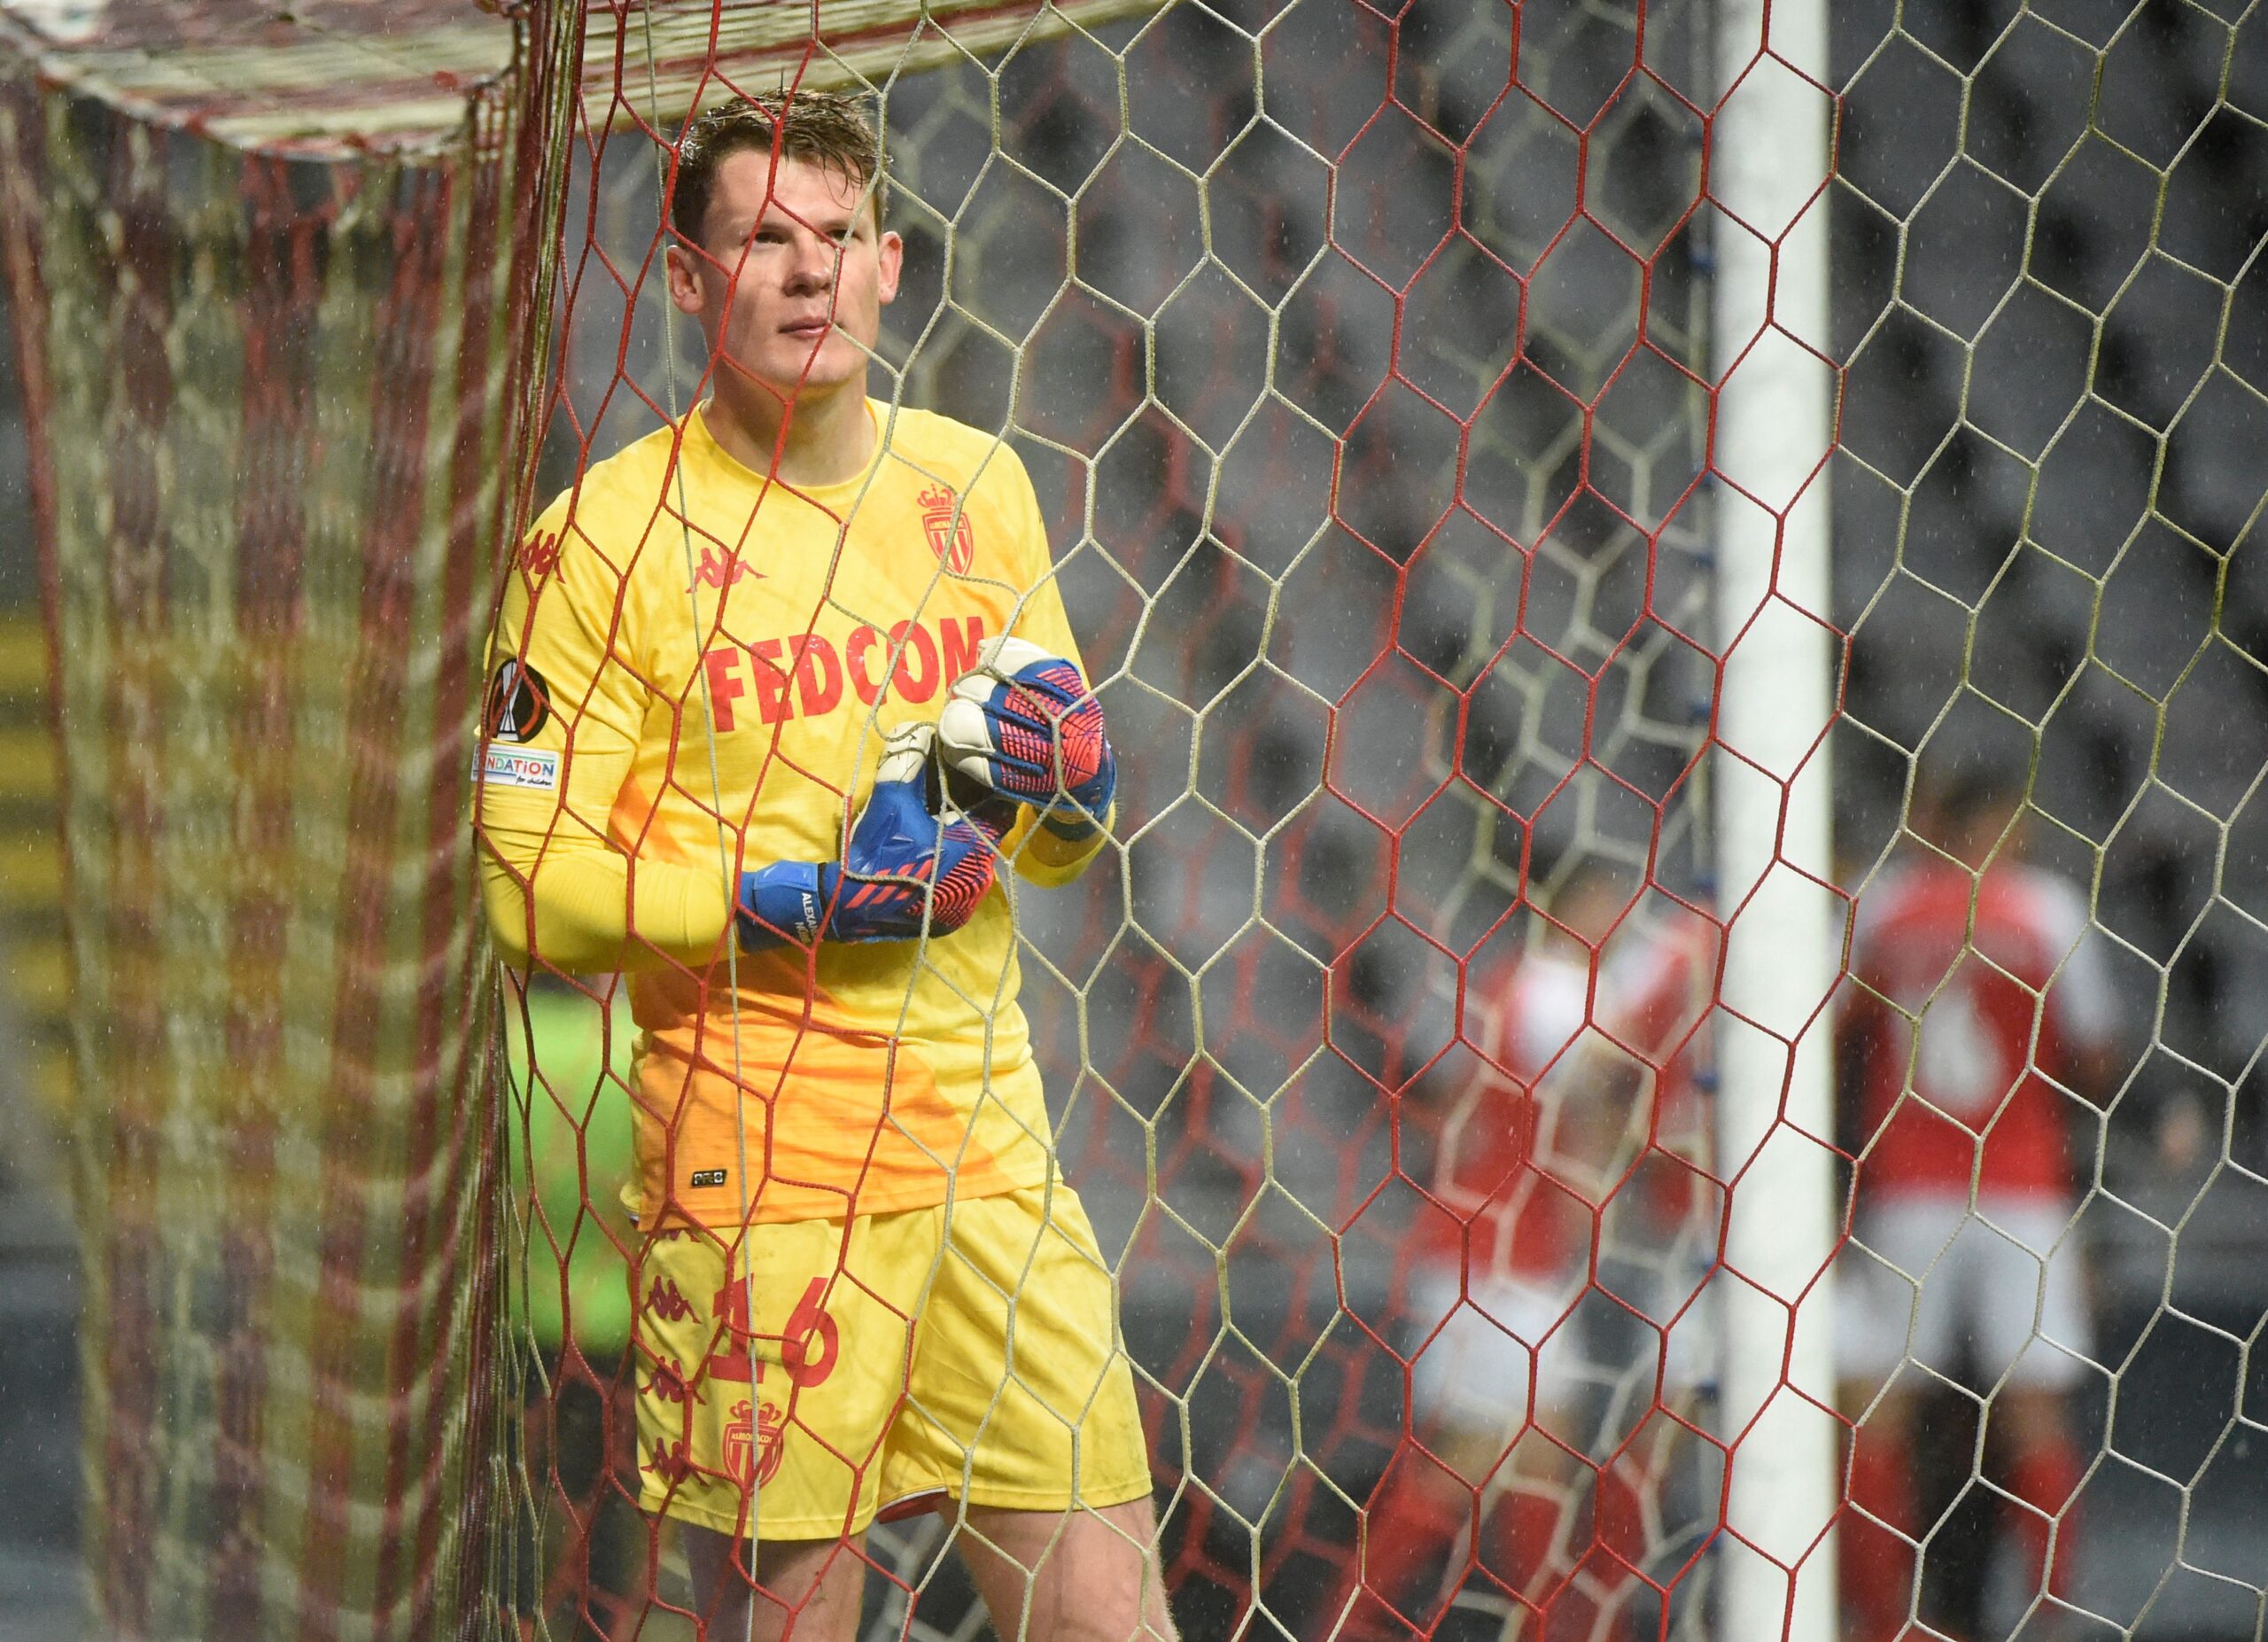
x=1768, y=175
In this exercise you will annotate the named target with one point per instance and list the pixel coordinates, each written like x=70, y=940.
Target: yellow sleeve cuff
x=1047, y=859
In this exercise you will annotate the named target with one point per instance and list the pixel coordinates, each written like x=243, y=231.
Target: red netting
x=1378, y=1187
x=1357, y=366
x=258, y=565
x=274, y=407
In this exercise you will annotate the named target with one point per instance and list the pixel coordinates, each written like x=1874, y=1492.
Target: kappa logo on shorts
x=670, y=1462
x=669, y=1383
x=708, y=1177
x=665, y=1300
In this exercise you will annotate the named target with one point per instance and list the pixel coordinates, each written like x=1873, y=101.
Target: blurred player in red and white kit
x=1494, y=1267
x=1977, y=1038
x=1663, y=1216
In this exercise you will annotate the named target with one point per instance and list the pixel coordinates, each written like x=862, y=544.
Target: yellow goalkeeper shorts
x=970, y=1353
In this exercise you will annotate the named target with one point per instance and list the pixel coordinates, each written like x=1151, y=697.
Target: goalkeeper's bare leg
x=808, y=1590
x=1083, y=1575
x=1087, y=1576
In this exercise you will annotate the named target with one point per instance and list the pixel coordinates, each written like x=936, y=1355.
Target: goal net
x=269, y=395
x=1366, y=411
x=1377, y=374
x=2047, y=297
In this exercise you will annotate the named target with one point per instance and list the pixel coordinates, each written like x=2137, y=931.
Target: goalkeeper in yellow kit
x=732, y=668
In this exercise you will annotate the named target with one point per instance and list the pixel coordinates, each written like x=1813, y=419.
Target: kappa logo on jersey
x=716, y=570
x=927, y=659
x=951, y=537
x=519, y=701
x=539, y=555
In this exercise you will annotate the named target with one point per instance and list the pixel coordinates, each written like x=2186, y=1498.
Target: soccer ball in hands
x=1024, y=725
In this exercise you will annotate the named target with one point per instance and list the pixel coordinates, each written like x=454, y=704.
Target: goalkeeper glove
x=1025, y=725
x=906, y=868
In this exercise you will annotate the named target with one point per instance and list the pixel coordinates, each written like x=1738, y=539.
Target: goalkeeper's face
x=789, y=282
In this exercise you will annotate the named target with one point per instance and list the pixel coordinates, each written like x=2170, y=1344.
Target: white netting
x=2048, y=288
x=1366, y=602
x=1362, y=364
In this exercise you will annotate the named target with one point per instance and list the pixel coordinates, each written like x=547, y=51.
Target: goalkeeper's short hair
x=825, y=128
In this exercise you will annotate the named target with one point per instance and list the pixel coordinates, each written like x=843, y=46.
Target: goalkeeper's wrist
x=1073, y=826
x=1072, y=823
x=783, y=902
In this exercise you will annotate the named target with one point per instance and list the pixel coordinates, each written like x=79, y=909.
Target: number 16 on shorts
x=718, y=1394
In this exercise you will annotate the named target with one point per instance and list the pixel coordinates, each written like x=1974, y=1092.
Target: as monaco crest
x=764, y=1435
x=950, y=537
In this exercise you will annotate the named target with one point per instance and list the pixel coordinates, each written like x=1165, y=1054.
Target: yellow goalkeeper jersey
x=693, y=673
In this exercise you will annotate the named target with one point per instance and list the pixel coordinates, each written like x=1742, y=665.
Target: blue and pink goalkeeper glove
x=1025, y=725
x=906, y=869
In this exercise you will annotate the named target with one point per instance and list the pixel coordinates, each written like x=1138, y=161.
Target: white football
x=963, y=742
x=905, y=752
x=1006, y=656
